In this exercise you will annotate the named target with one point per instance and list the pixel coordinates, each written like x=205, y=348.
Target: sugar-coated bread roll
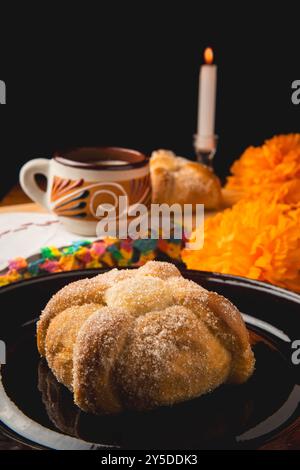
x=150, y=338
x=178, y=180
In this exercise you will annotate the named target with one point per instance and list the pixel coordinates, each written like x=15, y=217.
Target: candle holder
x=205, y=148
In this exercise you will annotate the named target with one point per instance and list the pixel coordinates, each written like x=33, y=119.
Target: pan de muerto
x=141, y=338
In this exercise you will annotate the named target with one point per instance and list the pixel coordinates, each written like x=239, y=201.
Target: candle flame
x=208, y=55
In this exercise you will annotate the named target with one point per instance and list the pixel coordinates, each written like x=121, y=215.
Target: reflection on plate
x=264, y=412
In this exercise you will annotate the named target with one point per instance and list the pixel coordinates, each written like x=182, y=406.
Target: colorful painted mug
x=82, y=179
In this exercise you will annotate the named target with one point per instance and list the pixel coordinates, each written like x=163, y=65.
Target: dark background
x=129, y=77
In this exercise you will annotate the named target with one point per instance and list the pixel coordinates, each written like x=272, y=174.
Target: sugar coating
x=60, y=338
x=146, y=293
x=142, y=338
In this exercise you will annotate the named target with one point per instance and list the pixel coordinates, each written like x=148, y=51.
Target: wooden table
x=17, y=201
x=15, y=196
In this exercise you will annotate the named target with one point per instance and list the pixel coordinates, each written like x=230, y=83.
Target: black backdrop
x=129, y=77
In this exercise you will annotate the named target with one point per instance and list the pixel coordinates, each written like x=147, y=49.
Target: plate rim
x=260, y=285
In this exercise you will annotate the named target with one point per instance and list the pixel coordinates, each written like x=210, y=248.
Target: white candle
x=205, y=139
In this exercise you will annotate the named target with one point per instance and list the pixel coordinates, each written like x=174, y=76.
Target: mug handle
x=28, y=183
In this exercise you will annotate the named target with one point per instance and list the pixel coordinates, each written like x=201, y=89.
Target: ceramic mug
x=80, y=180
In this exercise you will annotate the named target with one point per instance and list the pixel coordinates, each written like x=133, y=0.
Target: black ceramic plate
x=37, y=411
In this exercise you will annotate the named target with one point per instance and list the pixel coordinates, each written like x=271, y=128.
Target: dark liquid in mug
x=102, y=158
x=103, y=163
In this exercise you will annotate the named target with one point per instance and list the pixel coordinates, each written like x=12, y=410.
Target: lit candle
x=205, y=139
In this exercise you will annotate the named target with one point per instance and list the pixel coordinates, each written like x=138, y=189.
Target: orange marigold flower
x=259, y=239
x=274, y=167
